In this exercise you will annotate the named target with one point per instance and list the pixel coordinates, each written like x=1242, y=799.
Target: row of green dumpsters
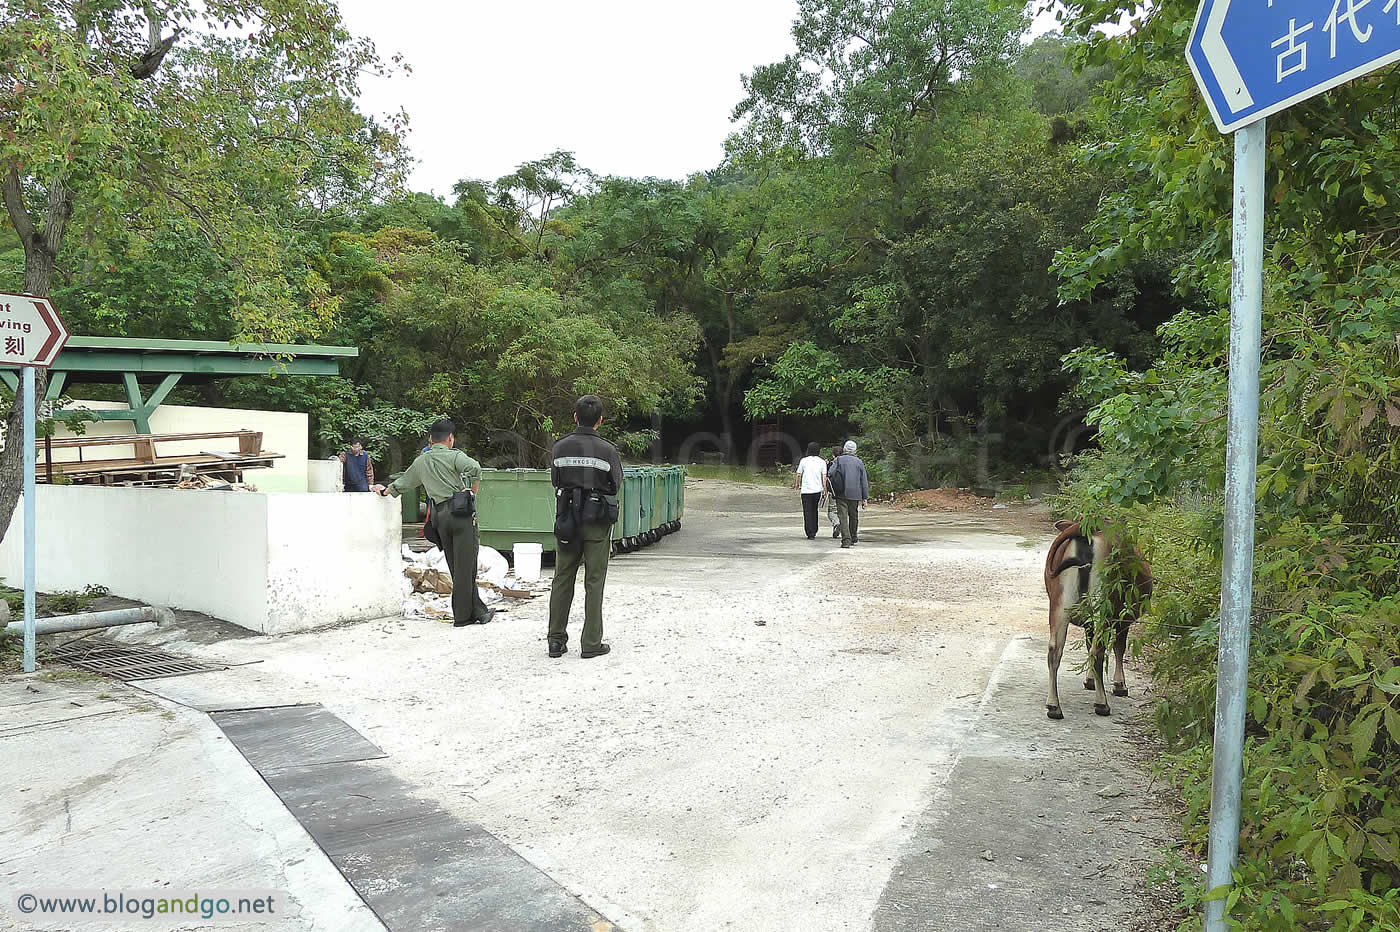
x=516, y=506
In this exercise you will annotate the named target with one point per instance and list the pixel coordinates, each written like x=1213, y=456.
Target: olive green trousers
x=593, y=557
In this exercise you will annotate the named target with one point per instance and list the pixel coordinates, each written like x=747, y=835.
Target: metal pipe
x=1241, y=456
x=84, y=621
x=28, y=519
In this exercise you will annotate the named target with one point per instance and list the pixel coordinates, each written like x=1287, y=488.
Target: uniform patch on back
x=583, y=462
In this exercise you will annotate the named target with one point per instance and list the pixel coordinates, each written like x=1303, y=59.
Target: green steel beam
x=215, y=347
x=57, y=381
x=117, y=363
x=87, y=360
x=136, y=408
x=163, y=389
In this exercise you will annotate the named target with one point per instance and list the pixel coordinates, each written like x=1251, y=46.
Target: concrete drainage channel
x=127, y=662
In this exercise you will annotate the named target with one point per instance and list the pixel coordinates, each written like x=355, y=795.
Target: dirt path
x=766, y=745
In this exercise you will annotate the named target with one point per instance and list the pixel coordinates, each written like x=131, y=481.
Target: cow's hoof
x=1101, y=708
x=1088, y=684
x=1120, y=691
x=1053, y=711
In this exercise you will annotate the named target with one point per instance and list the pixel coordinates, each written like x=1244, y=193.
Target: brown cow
x=1076, y=567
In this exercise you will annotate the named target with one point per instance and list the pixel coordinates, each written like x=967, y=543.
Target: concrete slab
x=753, y=753
x=151, y=796
x=780, y=726
x=1042, y=824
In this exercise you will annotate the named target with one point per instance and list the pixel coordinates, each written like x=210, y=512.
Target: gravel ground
x=754, y=754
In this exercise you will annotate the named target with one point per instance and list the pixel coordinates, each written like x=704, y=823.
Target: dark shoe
x=598, y=651
x=490, y=613
x=835, y=533
x=845, y=546
x=854, y=542
x=558, y=648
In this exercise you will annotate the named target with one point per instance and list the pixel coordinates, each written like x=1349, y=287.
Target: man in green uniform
x=587, y=474
x=443, y=472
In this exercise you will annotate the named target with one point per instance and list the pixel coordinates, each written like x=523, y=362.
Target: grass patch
x=778, y=477
x=53, y=603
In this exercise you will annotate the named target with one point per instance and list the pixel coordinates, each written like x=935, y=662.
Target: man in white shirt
x=811, y=482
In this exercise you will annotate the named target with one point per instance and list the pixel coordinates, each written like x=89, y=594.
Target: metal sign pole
x=29, y=441
x=1241, y=455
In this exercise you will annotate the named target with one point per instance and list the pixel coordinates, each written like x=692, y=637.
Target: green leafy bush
x=1321, y=805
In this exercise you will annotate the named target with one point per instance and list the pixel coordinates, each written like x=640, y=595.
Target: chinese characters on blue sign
x=1252, y=58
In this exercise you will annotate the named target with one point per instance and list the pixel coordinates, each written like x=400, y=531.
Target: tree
x=115, y=111
x=873, y=77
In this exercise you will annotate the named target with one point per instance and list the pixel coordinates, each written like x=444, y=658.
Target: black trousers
x=459, y=545
x=810, y=500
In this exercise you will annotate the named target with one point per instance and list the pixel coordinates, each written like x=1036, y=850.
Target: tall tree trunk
x=41, y=245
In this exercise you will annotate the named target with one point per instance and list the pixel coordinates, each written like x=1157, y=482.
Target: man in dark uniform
x=587, y=474
x=451, y=478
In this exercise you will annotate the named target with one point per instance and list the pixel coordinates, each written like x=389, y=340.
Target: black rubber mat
x=282, y=737
x=416, y=865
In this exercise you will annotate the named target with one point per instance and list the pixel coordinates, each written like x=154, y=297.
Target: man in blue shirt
x=356, y=466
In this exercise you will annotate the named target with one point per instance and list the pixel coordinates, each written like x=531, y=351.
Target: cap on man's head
x=850, y=446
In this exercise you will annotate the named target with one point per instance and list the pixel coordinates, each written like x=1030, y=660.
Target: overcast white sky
x=632, y=87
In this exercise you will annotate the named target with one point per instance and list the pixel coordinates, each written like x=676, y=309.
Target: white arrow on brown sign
x=31, y=333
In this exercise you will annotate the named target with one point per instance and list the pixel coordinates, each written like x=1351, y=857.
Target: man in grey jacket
x=855, y=491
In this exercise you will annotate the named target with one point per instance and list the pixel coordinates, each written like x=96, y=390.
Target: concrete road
x=759, y=751
x=754, y=752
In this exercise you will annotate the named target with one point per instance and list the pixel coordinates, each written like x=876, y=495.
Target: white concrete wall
x=270, y=562
x=332, y=557
x=283, y=432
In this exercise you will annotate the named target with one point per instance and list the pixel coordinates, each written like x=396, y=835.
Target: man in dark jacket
x=854, y=487
x=357, y=469
x=587, y=474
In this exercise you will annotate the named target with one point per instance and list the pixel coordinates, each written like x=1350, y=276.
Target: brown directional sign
x=31, y=333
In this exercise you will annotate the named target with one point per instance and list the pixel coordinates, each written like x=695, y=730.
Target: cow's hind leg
x=1120, y=644
x=1059, y=633
x=1089, y=681
x=1097, y=649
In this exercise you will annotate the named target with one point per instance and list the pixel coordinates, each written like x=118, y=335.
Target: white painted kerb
x=270, y=562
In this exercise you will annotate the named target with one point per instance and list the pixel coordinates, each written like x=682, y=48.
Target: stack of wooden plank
x=146, y=466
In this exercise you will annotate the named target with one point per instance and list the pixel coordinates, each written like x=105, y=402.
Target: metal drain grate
x=127, y=662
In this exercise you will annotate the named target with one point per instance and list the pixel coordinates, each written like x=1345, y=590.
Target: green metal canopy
x=164, y=363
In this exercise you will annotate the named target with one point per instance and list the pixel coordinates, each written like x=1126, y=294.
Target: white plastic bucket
x=527, y=561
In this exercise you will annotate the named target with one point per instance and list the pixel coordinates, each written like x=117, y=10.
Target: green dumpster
x=648, y=496
x=515, y=506
x=661, y=495
x=629, y=524
x=674, y=479
x=678, y=473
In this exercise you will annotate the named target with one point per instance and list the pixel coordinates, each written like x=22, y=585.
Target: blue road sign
x=1252, y=58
